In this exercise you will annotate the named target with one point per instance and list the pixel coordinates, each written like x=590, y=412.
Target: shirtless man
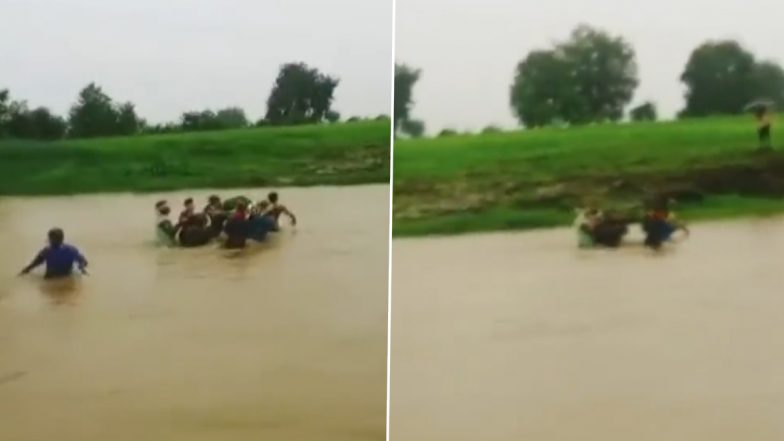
x=276, y=209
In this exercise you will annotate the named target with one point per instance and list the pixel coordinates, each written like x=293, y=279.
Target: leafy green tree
x=93, y=114
x=301, y=95
x=413, y=128
x=644, y=112
x=768, y=79
x=718, y=79
x=447, y=132
x=47, y=126
x=5, y=115
x=604, y=70
x=405, y=80
x=490, y=130
x=199, y=120
x=228, y=118
x=128, y=123
x=39, y=123
x=543, y=90
x=589, y=78
x=333, y=116
x=231, y=118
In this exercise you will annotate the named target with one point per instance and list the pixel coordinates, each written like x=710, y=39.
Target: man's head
x=56, y=237
x=189, y=204
x=263, y=205
x=162, y=207
x=273, y=197
x=214, y=200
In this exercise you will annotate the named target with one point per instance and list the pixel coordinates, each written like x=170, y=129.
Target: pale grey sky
x=169, y=56
x=468, y=49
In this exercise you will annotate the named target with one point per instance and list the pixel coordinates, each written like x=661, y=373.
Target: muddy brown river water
x=283, y=342
x=504, y=337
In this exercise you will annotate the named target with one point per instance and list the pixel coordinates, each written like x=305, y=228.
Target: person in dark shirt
x=187, y=215
x=59, y=257
x=237, y=228
x=216, y=215
x=214, y=205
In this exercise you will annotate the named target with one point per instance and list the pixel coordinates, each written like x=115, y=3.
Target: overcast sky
x=169, y=56
x=468, y=49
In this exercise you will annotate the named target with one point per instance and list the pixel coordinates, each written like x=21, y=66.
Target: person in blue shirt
x=59, y=257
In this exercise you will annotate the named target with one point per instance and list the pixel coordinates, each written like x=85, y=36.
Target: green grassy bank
x=352, y=153
x=533, y=179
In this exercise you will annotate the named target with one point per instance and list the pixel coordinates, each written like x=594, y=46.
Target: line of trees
x=592, y=77
x=300, y=95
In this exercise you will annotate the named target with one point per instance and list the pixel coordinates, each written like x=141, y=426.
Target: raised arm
x=291, y=216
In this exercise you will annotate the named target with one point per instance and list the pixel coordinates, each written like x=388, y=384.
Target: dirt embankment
x=759, y=174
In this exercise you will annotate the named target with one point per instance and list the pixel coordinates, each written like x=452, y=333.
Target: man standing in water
x=165, y=231
x=237, y=228
x=59, y=257
x=187, y=214
x=276, y=209
x=214, y=206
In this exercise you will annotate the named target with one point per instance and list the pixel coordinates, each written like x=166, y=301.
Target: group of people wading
x=235, y=221
x=659, y=223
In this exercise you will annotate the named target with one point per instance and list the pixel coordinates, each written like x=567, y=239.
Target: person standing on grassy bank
x=59, y=257
x=764, y=123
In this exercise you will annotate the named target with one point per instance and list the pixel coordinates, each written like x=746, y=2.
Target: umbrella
x=757, y=105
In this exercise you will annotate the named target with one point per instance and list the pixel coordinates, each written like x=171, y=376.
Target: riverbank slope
x=340, y=154
x=535, y=178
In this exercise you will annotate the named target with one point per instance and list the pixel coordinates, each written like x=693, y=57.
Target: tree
x=604, y=70
x=231, y=118
x=5, y=97
x=93, y=114
x=644, y=112
x=447, y=132
x=413, y=128
x=39, y=124
x=301, y=95
x=228, y=118
x=333, y=116
x=718, y=79
x=768, y=79
x=543, y=90
x=47, y=126
x=128, y=123
x=491, y=130
x=405, y=79
x=199, y=120
x=589, y=78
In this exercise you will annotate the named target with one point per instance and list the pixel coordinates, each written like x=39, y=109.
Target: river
x=286, y=341
x=521, y=336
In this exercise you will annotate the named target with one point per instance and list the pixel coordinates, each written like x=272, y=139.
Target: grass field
x=352, y=153
x=533, y=179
